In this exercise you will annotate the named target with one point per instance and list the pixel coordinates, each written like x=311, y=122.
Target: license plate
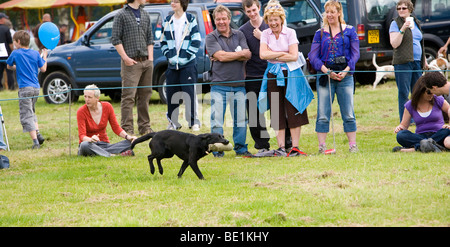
x=374, y=36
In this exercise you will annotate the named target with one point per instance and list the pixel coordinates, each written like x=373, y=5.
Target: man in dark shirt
x=132, y=36
x=255, y=68
x=228, y=50
x=6, y=46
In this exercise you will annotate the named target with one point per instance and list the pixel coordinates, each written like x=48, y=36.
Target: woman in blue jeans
x=409, y=58
x=426, y=110
x=335, y=51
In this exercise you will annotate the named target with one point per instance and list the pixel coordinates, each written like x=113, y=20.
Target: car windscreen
x=378, y=10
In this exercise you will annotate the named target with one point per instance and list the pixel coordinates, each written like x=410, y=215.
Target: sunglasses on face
x=402, y=8
x=428, y=92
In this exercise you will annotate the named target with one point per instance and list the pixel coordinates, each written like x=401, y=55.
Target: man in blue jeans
x=228, y=50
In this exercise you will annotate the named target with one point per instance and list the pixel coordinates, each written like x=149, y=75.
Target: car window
x=238, y=18
x=103, y=34
x=300, y=13
x=156, y=22
x=418, y=9
x=440, y=10
x=378, y=10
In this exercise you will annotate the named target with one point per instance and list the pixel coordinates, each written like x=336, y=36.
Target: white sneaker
x=170, y=127
x=195, y=127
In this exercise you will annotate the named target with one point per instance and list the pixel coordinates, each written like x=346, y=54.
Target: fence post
x=70, y=120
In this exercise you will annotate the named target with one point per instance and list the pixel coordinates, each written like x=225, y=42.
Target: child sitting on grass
x=27, y=62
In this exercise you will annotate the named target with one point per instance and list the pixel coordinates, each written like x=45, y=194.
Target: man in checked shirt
x=132, y=36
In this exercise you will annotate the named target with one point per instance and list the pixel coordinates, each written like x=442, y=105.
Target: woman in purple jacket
x=334, y=52
x=426, y=110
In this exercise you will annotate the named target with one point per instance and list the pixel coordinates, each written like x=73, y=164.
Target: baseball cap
x=3, y=15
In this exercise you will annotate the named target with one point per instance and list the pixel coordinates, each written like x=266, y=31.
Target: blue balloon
x=49, y=35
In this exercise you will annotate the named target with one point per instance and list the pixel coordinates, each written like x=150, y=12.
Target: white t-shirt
x=179, y=29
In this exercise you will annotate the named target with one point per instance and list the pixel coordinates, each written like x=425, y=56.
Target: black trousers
x=256, y=119
x=9, y=76
x=257, y=125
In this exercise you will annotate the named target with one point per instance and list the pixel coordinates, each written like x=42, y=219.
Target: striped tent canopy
x=44, y=4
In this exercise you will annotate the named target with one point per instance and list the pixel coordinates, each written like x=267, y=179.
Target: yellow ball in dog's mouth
x=216, y=147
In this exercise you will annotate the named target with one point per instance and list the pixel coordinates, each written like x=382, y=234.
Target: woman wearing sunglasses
x=409, y=57
x=425, y=108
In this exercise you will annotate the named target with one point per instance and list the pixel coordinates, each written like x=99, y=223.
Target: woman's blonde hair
x=338, y=6
x=274, y=8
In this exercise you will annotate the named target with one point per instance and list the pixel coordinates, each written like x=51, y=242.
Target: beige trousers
x=136, y=82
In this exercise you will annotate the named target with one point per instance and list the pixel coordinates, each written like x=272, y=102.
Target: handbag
x=4, y=162
x=311, y=69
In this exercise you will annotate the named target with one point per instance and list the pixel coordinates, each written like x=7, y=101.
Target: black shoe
x=35, y=146
x=40, y=138
x=429, y=145
x=218, y=154
x=246, y=154
x=397, y=149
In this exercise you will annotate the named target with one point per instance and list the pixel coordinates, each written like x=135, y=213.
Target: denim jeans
x=103, y=148
x=412, y=140
x=235, y=97
x=344, y=92
x=405, y=82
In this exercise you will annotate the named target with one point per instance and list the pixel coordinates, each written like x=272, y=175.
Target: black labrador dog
x=188, y=147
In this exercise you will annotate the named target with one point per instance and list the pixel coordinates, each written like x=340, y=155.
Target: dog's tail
x=374, y=61
x=142, y=139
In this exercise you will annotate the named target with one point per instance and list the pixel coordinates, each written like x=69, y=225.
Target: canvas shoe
x=430, y=145
x=127, y=153
x=353, y=148
x=40, y=138
x=195, y=127
x=245, y=154
x=218, y=154
x=172, y=126
x=296, y=152
x=322, y=148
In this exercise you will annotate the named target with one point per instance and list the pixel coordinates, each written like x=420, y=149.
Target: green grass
x=375, y=187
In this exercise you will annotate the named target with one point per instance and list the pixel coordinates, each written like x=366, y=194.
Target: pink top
x=287, y=37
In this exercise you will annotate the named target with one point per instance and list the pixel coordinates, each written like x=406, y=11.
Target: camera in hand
x=340, y=60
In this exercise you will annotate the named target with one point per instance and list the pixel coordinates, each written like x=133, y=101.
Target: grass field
x=375, y=187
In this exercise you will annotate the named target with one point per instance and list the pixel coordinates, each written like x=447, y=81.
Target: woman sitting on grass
x=425, y=108
x=92, y=119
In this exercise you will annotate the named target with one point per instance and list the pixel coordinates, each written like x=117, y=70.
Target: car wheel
x=430, y=53
x=162, y=89
x=56, y=88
